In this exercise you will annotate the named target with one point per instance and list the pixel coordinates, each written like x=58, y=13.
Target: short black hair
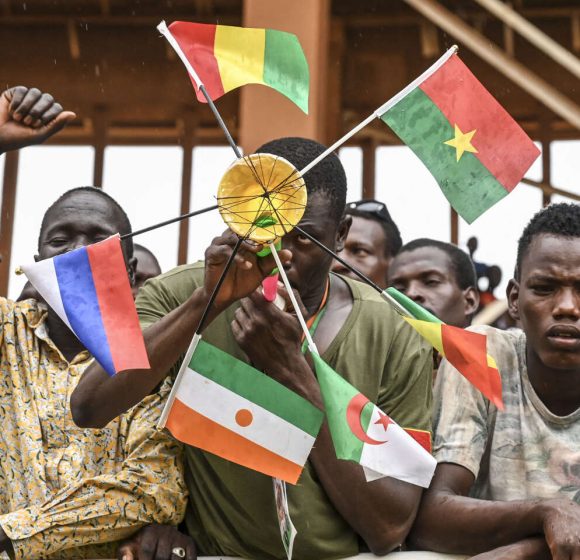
x=125, y=223
x=561, y=219
x=461, y=262
x=392, y=234
x=327, y=177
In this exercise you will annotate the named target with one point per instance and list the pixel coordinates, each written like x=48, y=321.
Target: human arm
x=147, y=487
x=99, y=398
x=28, y=116
x=381, y=512
x=449, y=520
x=534, y=548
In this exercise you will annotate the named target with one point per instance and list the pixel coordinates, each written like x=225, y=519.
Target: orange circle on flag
x=244, y=417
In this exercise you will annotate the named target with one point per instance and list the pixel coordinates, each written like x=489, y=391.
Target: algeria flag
x=363, y=433
x=226, y=407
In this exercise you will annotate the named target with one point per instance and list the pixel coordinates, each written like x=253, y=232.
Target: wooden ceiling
x=105, y=60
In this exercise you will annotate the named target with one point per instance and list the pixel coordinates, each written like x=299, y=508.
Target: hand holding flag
x=89, y=289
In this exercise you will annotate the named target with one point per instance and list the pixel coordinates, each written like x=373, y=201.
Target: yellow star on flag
x=462, y=142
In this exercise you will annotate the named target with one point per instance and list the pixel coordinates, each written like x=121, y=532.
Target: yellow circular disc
x=261, y=197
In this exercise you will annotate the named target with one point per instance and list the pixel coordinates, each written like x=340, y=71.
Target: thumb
x=57, y=124
x=289, y=305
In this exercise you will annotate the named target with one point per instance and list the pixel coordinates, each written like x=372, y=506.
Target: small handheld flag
x=467, y=140
x=363, y=433
x=465, y=350
x=89, y=289
x=222, y=58
x=228, y=408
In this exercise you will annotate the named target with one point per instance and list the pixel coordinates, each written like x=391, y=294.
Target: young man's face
x=78, y=220
x=310, y=265
x=547, y=300
x=426, y=275
x=366, y=249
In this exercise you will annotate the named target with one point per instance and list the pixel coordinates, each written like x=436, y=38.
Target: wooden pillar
x=454, y=219
x=266, y=114
x=369, y=154
x=546, y=171
x=186, y=174
x=7, y=220
x=100, y=143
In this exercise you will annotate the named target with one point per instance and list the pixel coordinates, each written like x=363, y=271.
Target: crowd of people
x=85, y=473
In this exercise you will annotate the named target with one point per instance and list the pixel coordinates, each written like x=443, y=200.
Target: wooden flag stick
x=282, y=272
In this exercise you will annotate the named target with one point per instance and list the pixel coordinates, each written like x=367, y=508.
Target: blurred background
x=143, y=137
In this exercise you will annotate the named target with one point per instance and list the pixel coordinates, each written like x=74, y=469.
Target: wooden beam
x=549, y=189
x=74, y=45
x=369, y=154
x=7, y=217
x=99, y=143
x=546, y=172
x=454, y=222
x=492, y=54
x=188, y=143
x=534, y=35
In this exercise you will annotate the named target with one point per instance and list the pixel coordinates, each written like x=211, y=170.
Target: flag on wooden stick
x=222, y=58
x=226, y=407
x=363, y=433
x=475, y=150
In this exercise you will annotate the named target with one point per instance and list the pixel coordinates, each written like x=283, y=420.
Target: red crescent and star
x=353, y=414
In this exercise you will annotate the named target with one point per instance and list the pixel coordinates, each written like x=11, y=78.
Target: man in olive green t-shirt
x=232, y=509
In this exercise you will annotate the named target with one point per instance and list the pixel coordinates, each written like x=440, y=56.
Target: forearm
x=458, y=524
x=100, y=510
x=534, y=548
x=381, y=512
x=99, y=398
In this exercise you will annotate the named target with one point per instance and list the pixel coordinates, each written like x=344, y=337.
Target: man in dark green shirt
x=232, y=509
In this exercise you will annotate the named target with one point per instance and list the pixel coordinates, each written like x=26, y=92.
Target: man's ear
x=342, y=232
x=132, y=270
x=513, y=296
x=471, y=301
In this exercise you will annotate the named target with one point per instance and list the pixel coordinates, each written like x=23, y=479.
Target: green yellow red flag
x=224, y=57
x=465, y=350
x=467, y=140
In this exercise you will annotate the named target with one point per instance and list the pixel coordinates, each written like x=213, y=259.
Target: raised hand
x=28, y=116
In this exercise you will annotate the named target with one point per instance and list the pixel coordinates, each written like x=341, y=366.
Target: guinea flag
x=471, y=145
x=228, y=408
x=226, y=57
x=363, y=433
x=465, y=350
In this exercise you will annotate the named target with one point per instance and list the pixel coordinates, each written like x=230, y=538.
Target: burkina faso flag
x=468, y=141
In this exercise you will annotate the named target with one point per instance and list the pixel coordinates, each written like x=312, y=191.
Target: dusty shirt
x=232, y=509
x=523, y=452
x=63, y=487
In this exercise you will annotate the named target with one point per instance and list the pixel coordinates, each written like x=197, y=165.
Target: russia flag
x=89, y=290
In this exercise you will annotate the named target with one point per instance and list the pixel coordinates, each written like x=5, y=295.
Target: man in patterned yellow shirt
x=67, y=492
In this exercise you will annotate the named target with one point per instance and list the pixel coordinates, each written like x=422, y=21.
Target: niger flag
x=467, y=140
x=226, y=407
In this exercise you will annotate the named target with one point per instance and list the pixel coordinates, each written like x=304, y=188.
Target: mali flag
x=465, y=350
x=227, y=407
x=471, y=145
x=227, y=57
